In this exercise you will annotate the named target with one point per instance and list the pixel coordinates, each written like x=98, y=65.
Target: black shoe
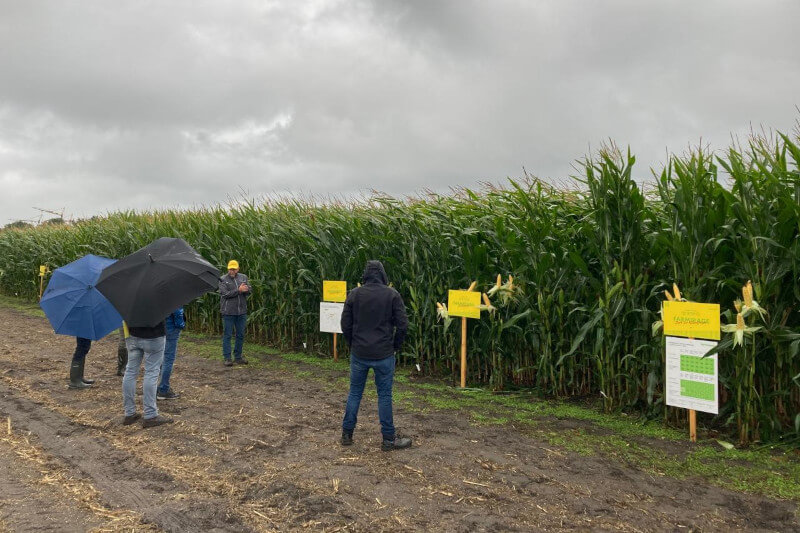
x=398, y=443
x=347, y=438
x=242, y=361
x=156, y=421
x=87, y=381
x=228, y=362
x=169, y=395
x=128, y=420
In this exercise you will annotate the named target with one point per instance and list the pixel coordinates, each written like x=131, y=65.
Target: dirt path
x=255, y=449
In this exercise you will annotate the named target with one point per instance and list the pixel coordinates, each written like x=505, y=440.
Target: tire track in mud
x=124, y=482
x=28, y=496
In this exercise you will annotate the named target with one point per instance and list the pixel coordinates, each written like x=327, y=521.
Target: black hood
x=374, y=273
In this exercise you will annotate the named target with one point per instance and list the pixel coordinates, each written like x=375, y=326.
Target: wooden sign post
x=466, y=304
x=334, y=293
x=691, y=330
x=463, y=352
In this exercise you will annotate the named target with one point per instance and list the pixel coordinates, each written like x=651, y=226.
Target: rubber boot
x=87, y=381
x=122, y=358
x=75, y=371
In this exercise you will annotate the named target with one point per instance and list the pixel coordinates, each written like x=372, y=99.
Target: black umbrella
x=148, y=285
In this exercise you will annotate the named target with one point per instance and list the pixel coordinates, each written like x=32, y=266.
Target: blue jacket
x=176, y=320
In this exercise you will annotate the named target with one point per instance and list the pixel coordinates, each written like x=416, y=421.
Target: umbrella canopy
x=73, y=304
x=152, y=282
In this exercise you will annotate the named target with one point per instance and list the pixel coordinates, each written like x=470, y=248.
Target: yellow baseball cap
x=233, y=263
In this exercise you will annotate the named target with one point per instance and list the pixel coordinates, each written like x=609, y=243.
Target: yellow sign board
x=334, y=291
x=689, y=319
x=464, y=303
x=42, y=270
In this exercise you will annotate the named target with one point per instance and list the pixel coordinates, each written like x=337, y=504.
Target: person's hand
x=243, y=287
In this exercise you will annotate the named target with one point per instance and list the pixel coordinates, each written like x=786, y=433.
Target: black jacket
x=374, y=321
x=159, y=330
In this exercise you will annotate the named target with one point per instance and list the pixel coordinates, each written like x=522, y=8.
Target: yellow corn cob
x=676, y=291
x=473, y=285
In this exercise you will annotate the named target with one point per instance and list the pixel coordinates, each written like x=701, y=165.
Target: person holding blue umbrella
x=76, y=378
x=75, y=307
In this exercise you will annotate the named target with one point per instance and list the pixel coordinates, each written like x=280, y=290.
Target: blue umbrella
x=74, y=306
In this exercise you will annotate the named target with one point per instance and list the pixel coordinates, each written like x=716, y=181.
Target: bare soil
x=255, y=449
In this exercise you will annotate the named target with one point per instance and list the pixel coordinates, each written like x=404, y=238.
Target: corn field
x=590, y=263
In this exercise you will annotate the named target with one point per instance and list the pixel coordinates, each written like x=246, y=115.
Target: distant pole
x=463, y=352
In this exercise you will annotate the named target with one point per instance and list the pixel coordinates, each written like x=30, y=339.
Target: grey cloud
x=184, y=103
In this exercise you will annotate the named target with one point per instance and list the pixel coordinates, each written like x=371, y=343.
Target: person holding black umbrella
x=145, y=287
x=233, y=292
x=145, y=344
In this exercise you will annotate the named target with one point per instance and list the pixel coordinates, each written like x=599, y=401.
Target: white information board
x=330, y=317
x=692, y=380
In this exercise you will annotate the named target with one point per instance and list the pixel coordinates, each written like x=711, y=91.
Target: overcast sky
x=108, y=105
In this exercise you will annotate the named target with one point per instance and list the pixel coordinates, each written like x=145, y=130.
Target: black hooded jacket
x=371, y=314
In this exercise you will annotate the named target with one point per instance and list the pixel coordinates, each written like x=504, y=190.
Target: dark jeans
x=81, y=349
x=384, y=376
x=170, y=349
x=231, y=322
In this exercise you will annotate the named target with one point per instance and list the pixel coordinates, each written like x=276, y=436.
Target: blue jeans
x=151, y=351
x=231, y=322
x=384, y=376
x=170, y=348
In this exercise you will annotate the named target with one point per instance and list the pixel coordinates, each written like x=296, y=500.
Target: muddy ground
x=256, y=449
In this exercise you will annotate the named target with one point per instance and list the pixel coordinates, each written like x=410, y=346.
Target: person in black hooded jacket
x=374, y=324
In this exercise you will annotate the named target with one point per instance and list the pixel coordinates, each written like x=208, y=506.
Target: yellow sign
x=42, y=270
x=334, y=291
x=689, y=319
x=464, y=303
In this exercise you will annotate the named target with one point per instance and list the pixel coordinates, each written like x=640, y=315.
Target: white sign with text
x=330, y=317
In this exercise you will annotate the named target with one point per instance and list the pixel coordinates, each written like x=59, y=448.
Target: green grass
x=28, y=308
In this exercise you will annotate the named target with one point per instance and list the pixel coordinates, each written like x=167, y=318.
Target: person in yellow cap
x=233, y=292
